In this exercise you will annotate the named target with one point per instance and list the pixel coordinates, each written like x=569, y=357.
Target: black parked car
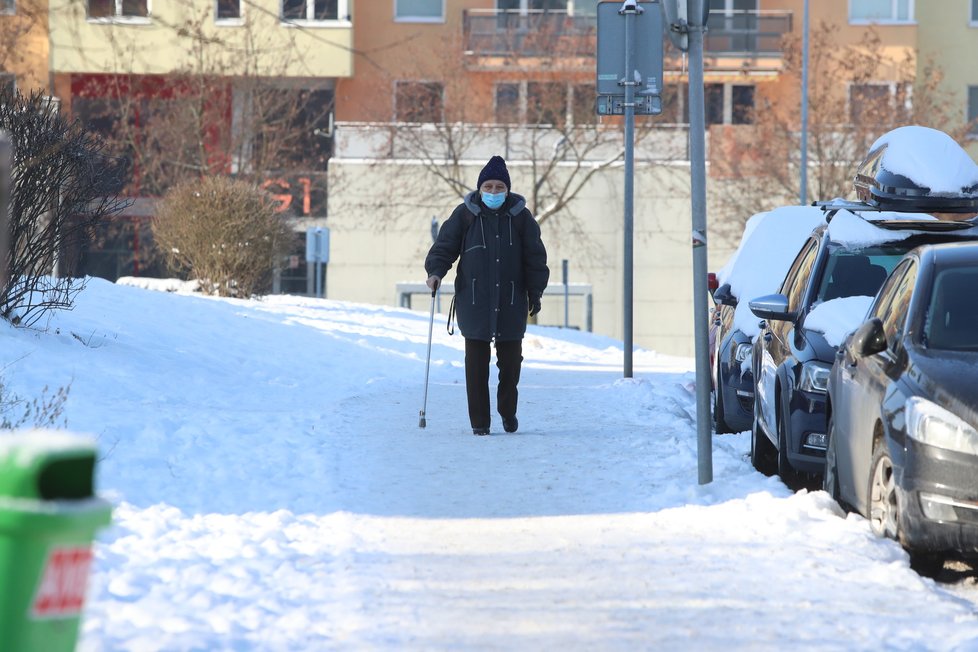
x=791, y=361
x=755, y=269
x=903, y=406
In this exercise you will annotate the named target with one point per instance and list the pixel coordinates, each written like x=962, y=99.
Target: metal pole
x=6, y=163
x=629, y=82
x=803, y=191
x=566, y=294
x=697, y=160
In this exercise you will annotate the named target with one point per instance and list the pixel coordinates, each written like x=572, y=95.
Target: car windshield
x=857, y=272
x=952, y=316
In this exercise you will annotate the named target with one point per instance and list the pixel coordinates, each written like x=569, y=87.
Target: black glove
x=534, y=306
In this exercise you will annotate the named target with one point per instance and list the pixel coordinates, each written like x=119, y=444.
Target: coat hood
x=514, y=203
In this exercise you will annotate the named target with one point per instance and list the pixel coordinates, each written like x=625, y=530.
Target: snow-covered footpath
x=273, y=491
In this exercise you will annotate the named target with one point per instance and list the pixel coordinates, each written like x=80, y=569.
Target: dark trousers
x=509, y=359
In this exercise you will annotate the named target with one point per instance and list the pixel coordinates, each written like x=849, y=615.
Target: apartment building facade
x=436, y=62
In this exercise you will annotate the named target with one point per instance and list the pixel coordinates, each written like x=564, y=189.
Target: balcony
x=741, y=41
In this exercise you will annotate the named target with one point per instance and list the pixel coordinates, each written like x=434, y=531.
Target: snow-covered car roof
x=770, y=242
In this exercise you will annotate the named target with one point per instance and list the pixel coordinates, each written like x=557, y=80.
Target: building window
x=546, y=103
x=974, y=11
x=583, y=106
x=507, y=103
x=742, y=105
x=7, y=7
x=228, y=9
x=879, y=102
x=881, y=11
x=973, y=111
x=419, y=11
x=118, y=8
x=713, y=104
x=314, y=10
x=8, y=82
x=418, y=101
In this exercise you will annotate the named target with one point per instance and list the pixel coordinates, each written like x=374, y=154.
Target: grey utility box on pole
x=317, y=252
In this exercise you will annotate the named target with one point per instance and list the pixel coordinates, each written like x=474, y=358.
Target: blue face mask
x=493, y=201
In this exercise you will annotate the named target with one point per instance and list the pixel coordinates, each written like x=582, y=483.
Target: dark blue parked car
x=791, y=361
x=902, y=411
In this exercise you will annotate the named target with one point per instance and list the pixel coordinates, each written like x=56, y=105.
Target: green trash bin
x=48, y=519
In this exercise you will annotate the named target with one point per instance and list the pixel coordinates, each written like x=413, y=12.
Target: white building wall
x=380, y=214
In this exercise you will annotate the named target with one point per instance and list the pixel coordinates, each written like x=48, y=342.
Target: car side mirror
x=724, y=296
x=869, y=339
x=772, y=306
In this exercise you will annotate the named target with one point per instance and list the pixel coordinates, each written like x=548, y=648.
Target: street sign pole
x=697, y=160
x=630, y=35
x=629, y=9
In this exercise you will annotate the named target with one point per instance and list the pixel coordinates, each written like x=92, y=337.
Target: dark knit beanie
x=495, y=170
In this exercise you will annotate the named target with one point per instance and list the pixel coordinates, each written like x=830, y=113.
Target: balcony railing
x=545, y=33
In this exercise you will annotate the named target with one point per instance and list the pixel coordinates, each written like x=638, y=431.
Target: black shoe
x=510, y=424
x=480, y=431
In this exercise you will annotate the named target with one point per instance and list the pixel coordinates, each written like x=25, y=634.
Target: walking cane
x=431, y=322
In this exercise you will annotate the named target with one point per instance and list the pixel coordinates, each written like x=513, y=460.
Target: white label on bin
x=61, y=592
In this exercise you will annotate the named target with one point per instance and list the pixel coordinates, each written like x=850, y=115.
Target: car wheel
x=785, y=470
x=761, y=449
x=719, y=423
x=884, y=511
x=830, y=478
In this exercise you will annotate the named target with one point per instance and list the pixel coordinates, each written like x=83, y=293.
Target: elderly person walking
x=500, y=278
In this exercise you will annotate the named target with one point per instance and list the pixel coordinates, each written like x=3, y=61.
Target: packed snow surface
x=272, y=491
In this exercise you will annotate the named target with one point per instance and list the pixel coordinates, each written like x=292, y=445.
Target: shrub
x=47, y=411
x=222, y=232
x=62, y=186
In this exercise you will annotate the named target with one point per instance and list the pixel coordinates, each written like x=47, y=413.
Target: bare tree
x=63, y=186
x=220, y=114
x=855, y=95
x=543, y=120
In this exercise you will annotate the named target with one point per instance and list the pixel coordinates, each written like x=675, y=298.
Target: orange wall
x=25, y=46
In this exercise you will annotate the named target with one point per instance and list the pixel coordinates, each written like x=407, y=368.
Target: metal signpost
x=6, y=169
x=317, y=251
x=622, y=66
x=687, y=25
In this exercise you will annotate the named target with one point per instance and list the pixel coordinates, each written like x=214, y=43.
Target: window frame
x=419, y=19
x=892, y=20
x=8, y=78
x=342, y=16
x=892, y=87
x=419, y=82
x=236, y=20
x=117, y=15
x=970, y=108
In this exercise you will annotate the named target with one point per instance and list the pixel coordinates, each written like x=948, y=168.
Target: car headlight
x=931, y=424
x=815, y=377
x=742, y=352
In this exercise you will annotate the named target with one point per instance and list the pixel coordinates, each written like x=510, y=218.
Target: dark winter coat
x=502, y=270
